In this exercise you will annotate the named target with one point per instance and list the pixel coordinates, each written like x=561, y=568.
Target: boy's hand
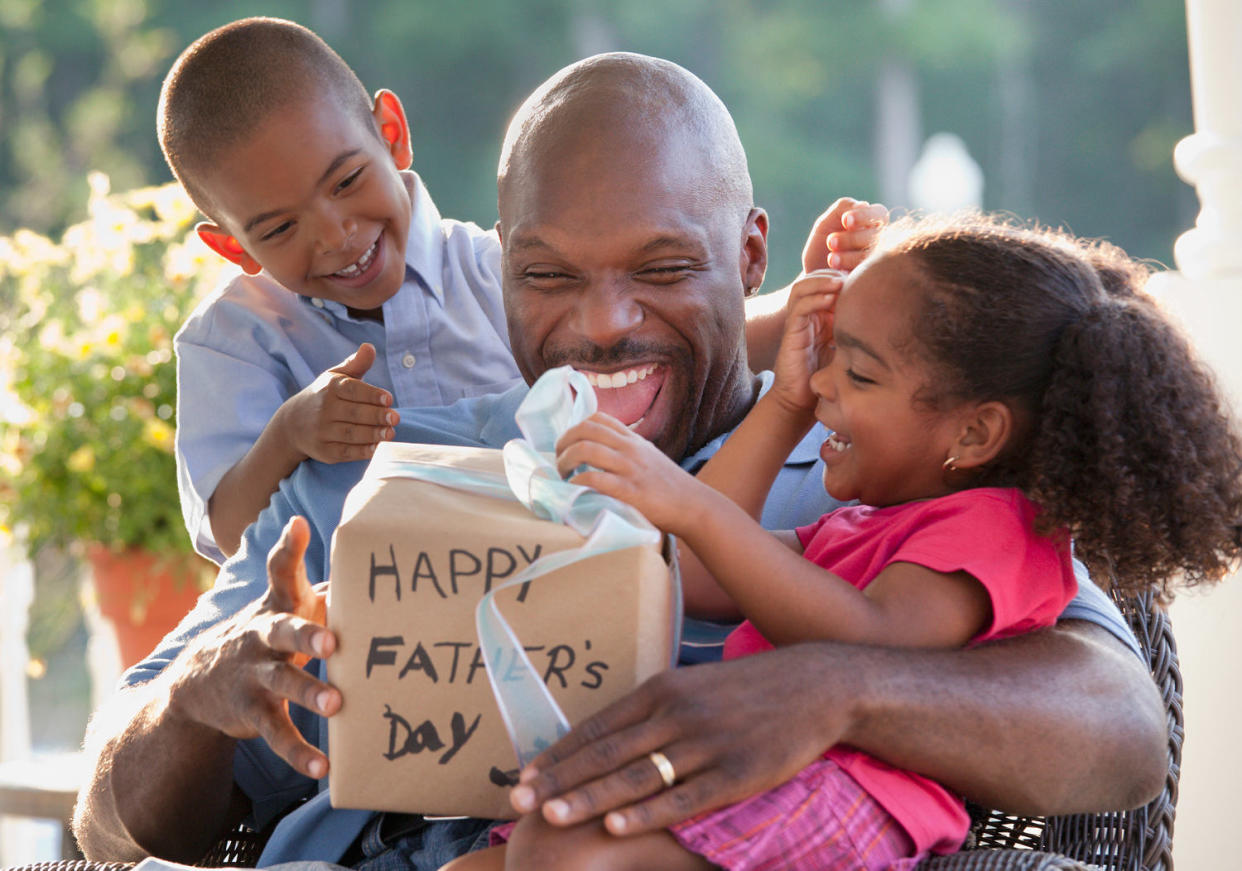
x=339, y=417
x=842, y=236
x=806, y=345
x=627, y=467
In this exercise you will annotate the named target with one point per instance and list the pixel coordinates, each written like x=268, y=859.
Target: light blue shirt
x=317, y=491
x=252, y=344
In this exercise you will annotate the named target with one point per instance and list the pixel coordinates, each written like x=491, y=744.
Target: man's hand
x=730, y=730
x=339, y=417
x=239, y=677
x=842, y=236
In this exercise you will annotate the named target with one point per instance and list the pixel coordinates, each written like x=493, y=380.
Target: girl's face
x=885, y=449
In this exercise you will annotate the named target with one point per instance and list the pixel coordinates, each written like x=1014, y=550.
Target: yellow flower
x=158, y=434
x=82, y=460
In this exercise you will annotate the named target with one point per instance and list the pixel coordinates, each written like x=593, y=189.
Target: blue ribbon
x=560, y=399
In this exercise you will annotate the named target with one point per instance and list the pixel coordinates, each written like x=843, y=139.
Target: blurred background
x=1070, y=109
x=1057, y=110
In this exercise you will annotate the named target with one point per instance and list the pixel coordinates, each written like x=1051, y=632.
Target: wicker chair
x=1134, y=840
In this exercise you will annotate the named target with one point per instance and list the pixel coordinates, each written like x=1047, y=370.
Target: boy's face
x=315, y=198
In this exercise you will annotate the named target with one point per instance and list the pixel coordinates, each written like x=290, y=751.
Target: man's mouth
x=627, y=394
x=360, y=265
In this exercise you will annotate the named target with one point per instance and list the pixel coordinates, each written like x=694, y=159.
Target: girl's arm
x=752, y=456
x=840, y=238
x=788, y=598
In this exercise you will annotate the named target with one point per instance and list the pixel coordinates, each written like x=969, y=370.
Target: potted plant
x=88, y=394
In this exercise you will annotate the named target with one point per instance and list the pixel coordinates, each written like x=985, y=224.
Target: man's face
x=314, y=196
x=623, y=265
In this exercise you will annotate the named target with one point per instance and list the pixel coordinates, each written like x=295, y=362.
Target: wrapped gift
x=473, y=625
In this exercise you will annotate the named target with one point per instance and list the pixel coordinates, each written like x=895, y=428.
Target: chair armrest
x=1002, y=860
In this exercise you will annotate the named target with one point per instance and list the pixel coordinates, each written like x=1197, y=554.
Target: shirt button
x=408, y=361
x=317, y=302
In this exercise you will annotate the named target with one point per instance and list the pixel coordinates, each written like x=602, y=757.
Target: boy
x=349, y=272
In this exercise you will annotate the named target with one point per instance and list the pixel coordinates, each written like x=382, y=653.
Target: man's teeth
x=836, y=444
x=360, y=264
x=611, y=380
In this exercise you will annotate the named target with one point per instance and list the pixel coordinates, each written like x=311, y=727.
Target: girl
x=992, y=391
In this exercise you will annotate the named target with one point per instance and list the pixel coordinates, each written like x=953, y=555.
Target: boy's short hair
x=227, y=80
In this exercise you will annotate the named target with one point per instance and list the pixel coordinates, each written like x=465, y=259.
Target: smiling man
x=628, y=248
x=630, y=241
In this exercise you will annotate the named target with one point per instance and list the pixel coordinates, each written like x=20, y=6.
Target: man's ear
x=754, y=258
x=986, y=430
x=227, y=247
x=394, y=128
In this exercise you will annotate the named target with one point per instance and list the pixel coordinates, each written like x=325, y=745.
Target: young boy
x=349, y=272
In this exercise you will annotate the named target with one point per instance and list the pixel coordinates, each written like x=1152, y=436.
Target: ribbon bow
x=558, y=400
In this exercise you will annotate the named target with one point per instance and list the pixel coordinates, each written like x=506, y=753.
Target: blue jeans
x=426, y=849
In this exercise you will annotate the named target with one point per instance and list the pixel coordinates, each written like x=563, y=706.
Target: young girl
x=991, y=391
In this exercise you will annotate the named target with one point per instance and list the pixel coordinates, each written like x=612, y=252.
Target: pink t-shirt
x=987, y=532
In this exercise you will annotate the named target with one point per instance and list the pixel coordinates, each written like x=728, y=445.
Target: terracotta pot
x=144, y=595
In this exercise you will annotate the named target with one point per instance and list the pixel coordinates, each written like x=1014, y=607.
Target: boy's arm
x=337, y=418
x=840, y=239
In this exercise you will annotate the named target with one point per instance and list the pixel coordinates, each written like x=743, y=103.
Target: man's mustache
x=624, y=351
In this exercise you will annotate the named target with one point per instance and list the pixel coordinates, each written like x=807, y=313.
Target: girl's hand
x=807, y=343
x=626, y=466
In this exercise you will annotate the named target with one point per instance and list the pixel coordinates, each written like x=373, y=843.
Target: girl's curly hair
x=1123, y=438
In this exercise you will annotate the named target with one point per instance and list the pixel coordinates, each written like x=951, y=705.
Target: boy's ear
x=227, y=247
x=986, y=430
x=394, y=128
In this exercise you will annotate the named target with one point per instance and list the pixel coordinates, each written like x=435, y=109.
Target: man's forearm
x=160, y=785
x=1060, y=721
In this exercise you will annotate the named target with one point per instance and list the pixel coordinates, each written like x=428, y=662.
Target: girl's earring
x=950, y=465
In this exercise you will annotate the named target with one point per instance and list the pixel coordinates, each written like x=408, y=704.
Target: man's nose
x=606, y=312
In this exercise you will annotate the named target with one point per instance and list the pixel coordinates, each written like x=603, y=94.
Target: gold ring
x=667, y=772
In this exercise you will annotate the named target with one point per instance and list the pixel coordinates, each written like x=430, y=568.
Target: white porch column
x=1206, y=295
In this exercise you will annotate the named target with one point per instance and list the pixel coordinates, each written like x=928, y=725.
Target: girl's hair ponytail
x=1122, y=436
x=1133, y=451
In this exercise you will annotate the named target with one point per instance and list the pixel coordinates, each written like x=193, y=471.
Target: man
x=630, y=240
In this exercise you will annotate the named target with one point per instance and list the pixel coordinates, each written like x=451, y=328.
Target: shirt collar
x=806, y=451
x=424, y=247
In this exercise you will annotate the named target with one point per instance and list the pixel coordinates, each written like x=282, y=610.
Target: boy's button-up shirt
x=252, y=344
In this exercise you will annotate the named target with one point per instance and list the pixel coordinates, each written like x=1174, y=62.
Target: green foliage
x=87, y=378
x=1105, y=84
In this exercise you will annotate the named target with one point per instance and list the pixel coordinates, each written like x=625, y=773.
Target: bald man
x=630, y=240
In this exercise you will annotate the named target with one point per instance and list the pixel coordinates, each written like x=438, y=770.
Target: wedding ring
x=667, y=773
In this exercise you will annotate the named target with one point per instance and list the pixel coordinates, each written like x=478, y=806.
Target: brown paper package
x=419, y=730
